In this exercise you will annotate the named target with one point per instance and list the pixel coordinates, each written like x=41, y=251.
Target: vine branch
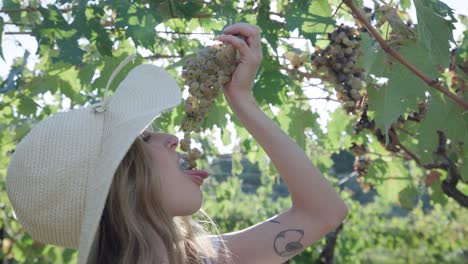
x=434, y=83
x=449, y=185
x=326, y=256
x=397, y=142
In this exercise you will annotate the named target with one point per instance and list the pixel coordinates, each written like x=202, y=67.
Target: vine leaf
x=317, y=20
x=270, y=28
x=408, y=197
x=434, y=30
x=437, y=194
x=376, y=171
x=141, y=28
x=445, y=116
x=403, y=88
x=269, y=81
x=216, y=115
x=301, y=120
x=27, y=106
x=396, y=179
x=336, y=128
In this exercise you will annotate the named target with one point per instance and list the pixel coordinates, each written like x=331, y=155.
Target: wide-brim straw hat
x=60, y=174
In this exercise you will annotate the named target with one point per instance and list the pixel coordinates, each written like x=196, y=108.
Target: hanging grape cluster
x=361, y=161
x=337, y=64
x=361, y=164
x=204, y=75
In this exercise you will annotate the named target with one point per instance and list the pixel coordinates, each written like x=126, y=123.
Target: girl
x=95, y=179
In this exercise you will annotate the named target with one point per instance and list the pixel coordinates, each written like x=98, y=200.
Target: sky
x=13, y=46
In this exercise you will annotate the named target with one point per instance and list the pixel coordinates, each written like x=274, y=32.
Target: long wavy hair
x=134, y=226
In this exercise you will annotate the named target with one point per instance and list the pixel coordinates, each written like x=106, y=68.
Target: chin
x=191, y=206
x=199, y=203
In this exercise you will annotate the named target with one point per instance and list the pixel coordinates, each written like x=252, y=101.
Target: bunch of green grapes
x=337, y=64
x=204, y=75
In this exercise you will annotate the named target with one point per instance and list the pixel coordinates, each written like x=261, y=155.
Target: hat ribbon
x=102, y=106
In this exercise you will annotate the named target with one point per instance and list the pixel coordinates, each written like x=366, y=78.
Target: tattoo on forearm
x=274, y=221
x=288, y=242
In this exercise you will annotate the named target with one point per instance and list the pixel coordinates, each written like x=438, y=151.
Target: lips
x=198, y=176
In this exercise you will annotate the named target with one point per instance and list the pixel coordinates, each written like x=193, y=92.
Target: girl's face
x=181, y=196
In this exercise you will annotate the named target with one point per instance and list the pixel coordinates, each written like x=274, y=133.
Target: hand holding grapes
x=250, y=50
x=214, y=68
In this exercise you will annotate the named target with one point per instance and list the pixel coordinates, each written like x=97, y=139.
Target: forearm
x=308, y=189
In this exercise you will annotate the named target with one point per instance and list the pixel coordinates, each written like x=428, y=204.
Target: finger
x=243, y=29
x=238, y=43
x=250, y=32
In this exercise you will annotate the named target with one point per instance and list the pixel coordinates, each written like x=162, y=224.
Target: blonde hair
x=134, y=226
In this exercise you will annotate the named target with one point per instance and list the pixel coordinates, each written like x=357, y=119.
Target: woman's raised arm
x=316, y=209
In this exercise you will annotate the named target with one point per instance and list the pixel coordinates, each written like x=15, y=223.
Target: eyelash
x=146, y=137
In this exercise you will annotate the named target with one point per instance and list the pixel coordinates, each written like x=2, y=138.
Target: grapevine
x=204, y=75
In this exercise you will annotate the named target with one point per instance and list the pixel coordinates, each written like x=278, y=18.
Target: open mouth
x=183, y=162
x=198, y=176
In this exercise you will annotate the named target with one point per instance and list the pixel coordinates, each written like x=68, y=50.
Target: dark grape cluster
x=361, y=161
x=205, y=75
x=337, y=64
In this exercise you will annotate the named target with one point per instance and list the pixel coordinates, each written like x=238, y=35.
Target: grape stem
x=434, y=83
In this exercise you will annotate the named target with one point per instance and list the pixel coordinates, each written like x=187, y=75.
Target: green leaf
x=317, y=19
x=301, y=120
x=216, y=115
x=143, y=32
x=396, y=179
x=405, y=4
x=336, y=130
x=27, y=106
x=371, y=57
x=403, y=90
x=437, y=194
x=434, y=31
x=86, y=74
x=270, y=28
x=408, y=197
x=70, y=52
x=270, y=81
x=14, y=79
x=187, y=8
x=445, y=115
x=376, y=171
x=12, y=4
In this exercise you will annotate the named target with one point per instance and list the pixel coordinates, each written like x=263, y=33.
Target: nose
x=172, y=141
